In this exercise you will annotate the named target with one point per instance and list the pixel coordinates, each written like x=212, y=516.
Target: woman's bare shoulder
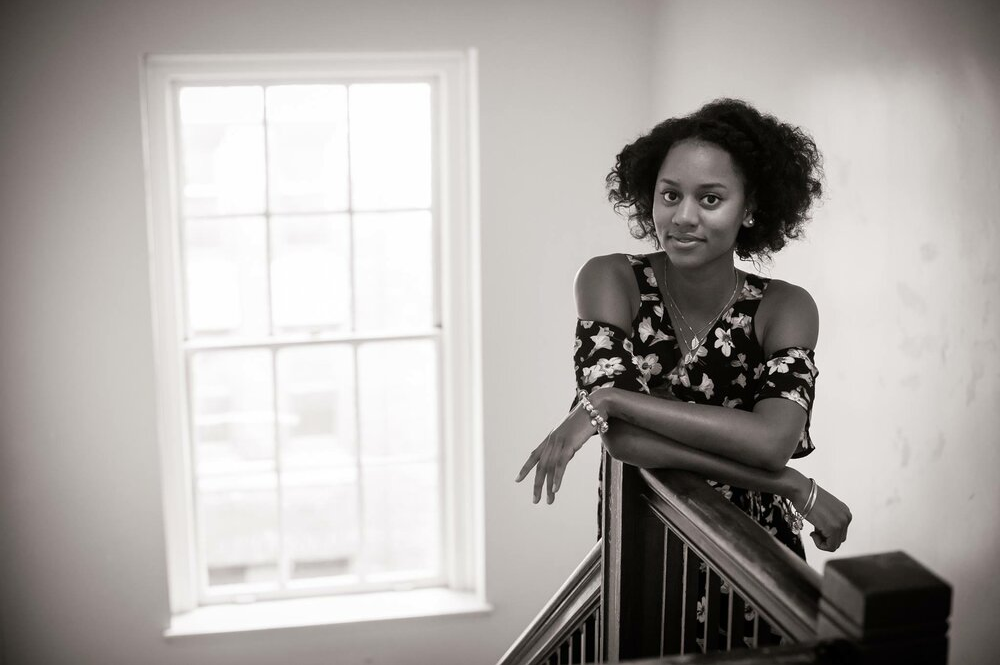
x=787, y=317
x=606, y=290
x=607, y=266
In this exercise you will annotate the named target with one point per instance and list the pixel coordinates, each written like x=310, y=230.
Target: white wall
x=903, y=98
x=563, y=85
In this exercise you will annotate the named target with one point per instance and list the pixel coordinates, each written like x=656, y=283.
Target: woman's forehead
x=695, y=162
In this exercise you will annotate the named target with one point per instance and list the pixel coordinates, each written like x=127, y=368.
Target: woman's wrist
x=603, y=400
x=598, y=419
x=797, y=487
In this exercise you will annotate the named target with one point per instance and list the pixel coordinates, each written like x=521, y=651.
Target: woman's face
x=698, y=204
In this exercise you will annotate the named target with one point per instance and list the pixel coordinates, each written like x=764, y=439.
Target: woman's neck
x=701, y=291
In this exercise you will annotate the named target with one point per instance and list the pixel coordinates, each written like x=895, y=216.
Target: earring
x=749, y=223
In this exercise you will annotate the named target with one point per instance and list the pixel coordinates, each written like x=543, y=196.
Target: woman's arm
x=765, y=437
x=603, y=360
x=648, y=450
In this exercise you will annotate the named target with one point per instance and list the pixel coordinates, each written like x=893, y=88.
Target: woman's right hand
x=831, y=517
x=552, y=455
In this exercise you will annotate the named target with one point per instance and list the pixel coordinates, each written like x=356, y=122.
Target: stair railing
x=681, y=570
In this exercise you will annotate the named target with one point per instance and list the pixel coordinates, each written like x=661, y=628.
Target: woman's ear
x=748, y=220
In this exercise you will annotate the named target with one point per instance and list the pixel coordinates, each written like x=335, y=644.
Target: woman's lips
x=682, y=239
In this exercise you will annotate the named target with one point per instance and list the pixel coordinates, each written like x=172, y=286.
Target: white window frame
x=456, y=206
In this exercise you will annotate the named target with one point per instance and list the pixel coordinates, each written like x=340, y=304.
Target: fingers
x=556, y=466
x=559, y=474
x=532, y=461
x=559, y=462
x=536, y=492
x=549, y=461
x=824, y=542
x=828, y=543
x=831, y=517
x=541, y=471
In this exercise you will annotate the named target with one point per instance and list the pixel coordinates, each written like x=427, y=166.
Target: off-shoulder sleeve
x=791, y=374
x=602, y=357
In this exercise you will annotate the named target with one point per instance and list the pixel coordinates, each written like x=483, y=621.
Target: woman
x=684, y=361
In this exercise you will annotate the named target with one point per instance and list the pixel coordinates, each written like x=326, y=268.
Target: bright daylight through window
x=313, y=363
x=313, y=459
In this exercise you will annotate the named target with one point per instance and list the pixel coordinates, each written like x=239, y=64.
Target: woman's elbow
x=773, y=463
x=618, y=445
x=777, y=456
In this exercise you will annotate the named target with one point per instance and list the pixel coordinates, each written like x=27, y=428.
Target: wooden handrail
x=673, y=543
x=680, y=570
x=576, y=599
x=768, y=574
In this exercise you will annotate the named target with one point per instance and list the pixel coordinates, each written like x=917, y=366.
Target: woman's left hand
x=555, y=452
x=831, y=517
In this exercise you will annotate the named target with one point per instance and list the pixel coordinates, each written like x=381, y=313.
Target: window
x=314, y=275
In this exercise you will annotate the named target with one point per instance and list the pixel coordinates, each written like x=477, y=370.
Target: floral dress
x=728, y=369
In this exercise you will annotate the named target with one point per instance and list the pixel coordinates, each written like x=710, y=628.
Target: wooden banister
x=683, y=576
x=890, y=606
x=572, y=610
x=781, y=584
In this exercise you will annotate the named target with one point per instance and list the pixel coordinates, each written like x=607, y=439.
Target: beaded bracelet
x=596, y=419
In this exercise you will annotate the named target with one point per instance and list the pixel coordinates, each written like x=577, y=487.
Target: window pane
x=402, y=524
x=213, y=105
x=222, y=143
x=390, y=146
x=240, y=529
x=232, y=400
x=394, y=270
x=311, y=273
x=319, y=459
x=316, y=395
x=322, y=522
x=234, y=454
x=307, y=147
x=398, y=398
x=226, y=275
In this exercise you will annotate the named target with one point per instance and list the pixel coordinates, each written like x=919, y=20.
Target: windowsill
x=325, y=610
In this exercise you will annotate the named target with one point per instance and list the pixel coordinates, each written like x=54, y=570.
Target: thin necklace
x=696, y=340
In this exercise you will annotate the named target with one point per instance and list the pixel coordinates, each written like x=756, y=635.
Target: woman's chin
x=683, y=258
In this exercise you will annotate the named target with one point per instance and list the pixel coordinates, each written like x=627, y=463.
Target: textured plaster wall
x=903, y=98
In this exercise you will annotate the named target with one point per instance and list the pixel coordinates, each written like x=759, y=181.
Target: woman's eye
x=711, y=199
x=671, y=197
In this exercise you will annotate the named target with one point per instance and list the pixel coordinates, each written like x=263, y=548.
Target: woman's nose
x=686, y=213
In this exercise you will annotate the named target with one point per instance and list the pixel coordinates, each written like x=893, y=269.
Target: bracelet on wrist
x=811, y=501
x=596, y=419
x=797, y=520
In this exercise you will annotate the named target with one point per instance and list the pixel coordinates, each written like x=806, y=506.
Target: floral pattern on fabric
x=606, y=359
x=727, y=369
x=791, y=374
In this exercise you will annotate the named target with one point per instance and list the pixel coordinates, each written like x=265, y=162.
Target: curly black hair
x=780, y=166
